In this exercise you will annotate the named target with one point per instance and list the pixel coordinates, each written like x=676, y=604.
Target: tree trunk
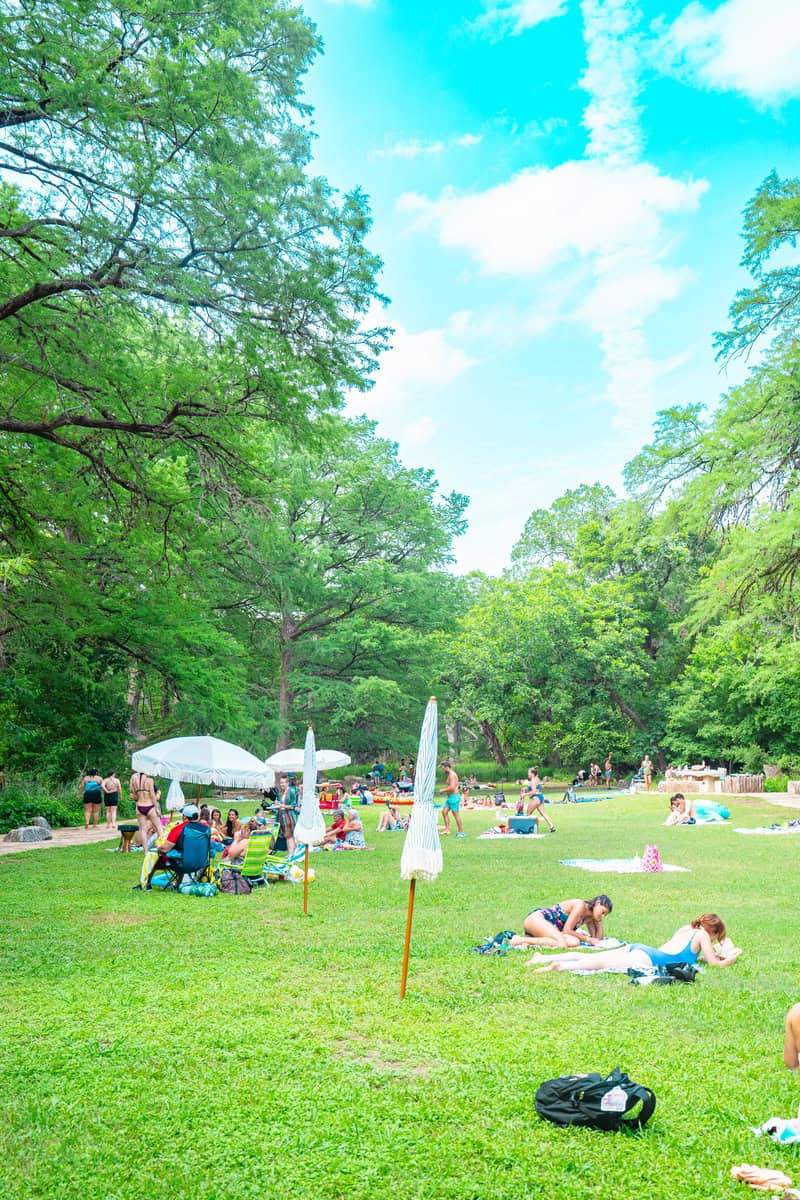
x=134, y=701
x=285, y=693
x=498, y=754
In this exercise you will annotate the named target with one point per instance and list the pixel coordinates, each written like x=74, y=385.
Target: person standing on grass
x=647, y=771
x=111, y=786
x=609, y=771
x=452, y=802
x=143, y=795
x=90, y=790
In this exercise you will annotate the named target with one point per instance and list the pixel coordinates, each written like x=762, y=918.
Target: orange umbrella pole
x=407, y=947
x=305, y=884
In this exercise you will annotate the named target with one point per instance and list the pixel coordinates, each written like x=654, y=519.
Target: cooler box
x=523, y=824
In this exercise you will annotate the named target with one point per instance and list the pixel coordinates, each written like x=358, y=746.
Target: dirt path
x=75, y=836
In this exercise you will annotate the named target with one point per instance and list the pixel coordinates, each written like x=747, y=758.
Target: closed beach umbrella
x=422, y=851
x=204, y=760
x=310, y=827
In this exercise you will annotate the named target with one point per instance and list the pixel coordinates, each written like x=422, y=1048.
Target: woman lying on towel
x=559, y=925
x=687, y=944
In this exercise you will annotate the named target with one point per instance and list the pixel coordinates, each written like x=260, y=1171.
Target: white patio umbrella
x=294, y=760
x=310, y=827
x=422, y=850
x=204, y=760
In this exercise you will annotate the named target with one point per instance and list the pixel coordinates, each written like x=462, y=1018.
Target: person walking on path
x=111, y=786
x=609, y=770
x=452, y=802
x=90, y=790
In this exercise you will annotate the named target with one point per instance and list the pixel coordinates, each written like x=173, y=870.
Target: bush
x=778, y=784
x=24, y=799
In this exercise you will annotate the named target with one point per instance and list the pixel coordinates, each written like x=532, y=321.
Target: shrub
x=24, y=799
x=778, y=784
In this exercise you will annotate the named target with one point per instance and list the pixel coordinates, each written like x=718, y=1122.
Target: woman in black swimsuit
x=111, y=798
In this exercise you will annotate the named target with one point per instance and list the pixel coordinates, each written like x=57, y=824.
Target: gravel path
x=76, y=836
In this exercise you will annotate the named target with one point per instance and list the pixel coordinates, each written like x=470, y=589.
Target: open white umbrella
x=294, y=760
x=422, y=850
x=310, y=827
x=204, y=760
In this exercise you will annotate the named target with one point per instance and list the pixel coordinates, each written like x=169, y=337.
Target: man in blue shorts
x=452, y=802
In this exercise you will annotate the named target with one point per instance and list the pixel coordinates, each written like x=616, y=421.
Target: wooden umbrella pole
x=409, y=918
x=305, y=884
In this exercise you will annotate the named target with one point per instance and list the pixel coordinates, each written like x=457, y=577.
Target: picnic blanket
x=494, y=832
x=614, y=866
x=792, y=827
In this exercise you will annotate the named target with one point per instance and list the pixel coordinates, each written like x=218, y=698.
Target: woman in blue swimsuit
x=687, y=944
x=559, y=925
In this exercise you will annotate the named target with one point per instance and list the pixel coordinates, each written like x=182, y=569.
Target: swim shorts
x=452, y=802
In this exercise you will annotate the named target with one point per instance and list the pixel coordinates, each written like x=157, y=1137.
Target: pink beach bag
x=651, y=859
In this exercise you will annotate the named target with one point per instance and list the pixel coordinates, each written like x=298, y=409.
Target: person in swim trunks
x=452, y=803
x=686, y=945
x=560, y=925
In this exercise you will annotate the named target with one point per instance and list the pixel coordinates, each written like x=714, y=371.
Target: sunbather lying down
x=687, y=944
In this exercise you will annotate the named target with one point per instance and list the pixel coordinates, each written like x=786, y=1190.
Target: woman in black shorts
x=111, y=786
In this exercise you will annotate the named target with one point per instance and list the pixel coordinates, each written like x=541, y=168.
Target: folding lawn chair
x=257, y=853
x=190, y=858
x=278, y=866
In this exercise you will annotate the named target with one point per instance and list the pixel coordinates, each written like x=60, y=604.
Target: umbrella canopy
x=422, y=852
x=310, y=827
x=204, y=760
x=294, y=760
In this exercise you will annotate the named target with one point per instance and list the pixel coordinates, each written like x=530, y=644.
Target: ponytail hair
x=713, y=925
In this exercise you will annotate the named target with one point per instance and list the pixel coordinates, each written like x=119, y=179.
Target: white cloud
x=515, y=16
x=750, y=46
x=417, y=148
x=415, y=364
x=612, y=80
x=600, y=228
x=541, y=216
x=418, y=433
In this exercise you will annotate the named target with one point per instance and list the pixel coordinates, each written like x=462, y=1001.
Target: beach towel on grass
x=496, y=833
x=792, y=827
x=614, y=866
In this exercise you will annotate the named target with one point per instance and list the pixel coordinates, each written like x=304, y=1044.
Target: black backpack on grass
x=598, y=1101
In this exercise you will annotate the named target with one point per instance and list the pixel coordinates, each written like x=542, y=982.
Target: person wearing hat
x=172, y=842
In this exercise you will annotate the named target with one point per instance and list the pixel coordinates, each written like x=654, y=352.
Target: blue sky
x=557, y=188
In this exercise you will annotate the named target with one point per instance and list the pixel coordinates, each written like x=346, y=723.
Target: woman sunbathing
x=558, y=926
x=686, y=945
x=389, y=820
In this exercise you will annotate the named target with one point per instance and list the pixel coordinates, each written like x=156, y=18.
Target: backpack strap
x=648, y=1106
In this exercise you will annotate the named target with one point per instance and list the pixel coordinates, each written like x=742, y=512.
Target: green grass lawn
x=168, y=1046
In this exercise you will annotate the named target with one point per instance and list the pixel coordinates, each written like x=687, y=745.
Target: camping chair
x=258, y=851
x=277, y=866
x=192, y=858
